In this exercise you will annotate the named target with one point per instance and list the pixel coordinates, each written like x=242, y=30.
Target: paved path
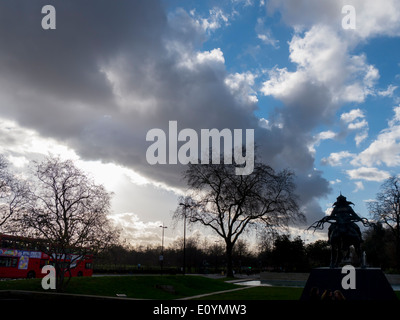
x=213, y=293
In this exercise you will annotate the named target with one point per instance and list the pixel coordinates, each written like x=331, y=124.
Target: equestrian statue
x=343, y=231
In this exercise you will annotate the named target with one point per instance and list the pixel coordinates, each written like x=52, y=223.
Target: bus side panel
x=82, y=268
x=24, y=267
x=9, y=272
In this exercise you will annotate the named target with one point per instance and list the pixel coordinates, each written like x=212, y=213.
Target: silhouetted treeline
x=380, y=247
x=201, y=257
x=281, y=253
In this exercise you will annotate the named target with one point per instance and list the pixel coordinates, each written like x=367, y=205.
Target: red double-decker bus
x=20, y=257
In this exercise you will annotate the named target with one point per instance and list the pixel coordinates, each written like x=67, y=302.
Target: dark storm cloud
x=57, y=73
x=109, y=73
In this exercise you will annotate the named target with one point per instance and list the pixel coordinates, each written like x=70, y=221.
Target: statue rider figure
x=344, y=216
x=343, y=231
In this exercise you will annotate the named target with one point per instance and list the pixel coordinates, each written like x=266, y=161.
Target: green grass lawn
x=148, y=287
x=142, y=287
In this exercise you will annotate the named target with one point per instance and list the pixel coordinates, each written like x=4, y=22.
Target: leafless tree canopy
x=386, y=209
x=68, y=211
x=229, y=203
x=13, y=195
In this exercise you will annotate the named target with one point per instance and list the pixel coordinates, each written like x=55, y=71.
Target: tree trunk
x=229, y=263
x=60, y=277
x=397, y=237
x=60, y=282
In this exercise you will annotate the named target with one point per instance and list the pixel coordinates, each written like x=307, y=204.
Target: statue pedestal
x=370, y=284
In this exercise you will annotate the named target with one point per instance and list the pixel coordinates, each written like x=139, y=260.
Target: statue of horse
x=343, y=231
x=343, y=236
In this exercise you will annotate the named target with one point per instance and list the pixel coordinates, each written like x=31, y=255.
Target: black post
x=162, y=248
x=185, y=206
x=184, y=244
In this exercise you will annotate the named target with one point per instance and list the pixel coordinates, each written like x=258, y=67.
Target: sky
x=322, y=98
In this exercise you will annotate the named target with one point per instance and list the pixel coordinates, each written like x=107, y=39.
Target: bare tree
x=68, y=212
x=386, y=209
x=229, y=204
x=13, y=195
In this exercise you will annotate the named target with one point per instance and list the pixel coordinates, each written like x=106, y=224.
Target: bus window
x=8, y=262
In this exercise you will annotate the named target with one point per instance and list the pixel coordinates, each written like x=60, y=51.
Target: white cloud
x=135, y=230
x=360, y=137
x=377, y=18
x=264, y=123
x=110, y=174
x=196, y=61
x=18, y=161
x=359, y=186
x=31, y=145
x=265, y=34
x=388, y=92
x=281, y=82
x=396, y=119
x=349, y=120
x=302, y=13
x=352, y=115
x=358, y=125
x=369, y=200
x=385, y=149
x=373, y=18
x=20, y=141
x=328, y=211
x=268, y=39
x=368, y=174
x=216, y=19
x=335, y=181
x=324, y=135
x=323, y=59
x=321, y=51
x=335, y=158
x=241, y=85
x=214, y=55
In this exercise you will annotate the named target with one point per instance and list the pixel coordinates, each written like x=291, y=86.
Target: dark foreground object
x=370, y=284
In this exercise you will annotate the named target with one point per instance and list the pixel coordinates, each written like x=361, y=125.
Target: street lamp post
x=185, y=206
x=162, y=247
